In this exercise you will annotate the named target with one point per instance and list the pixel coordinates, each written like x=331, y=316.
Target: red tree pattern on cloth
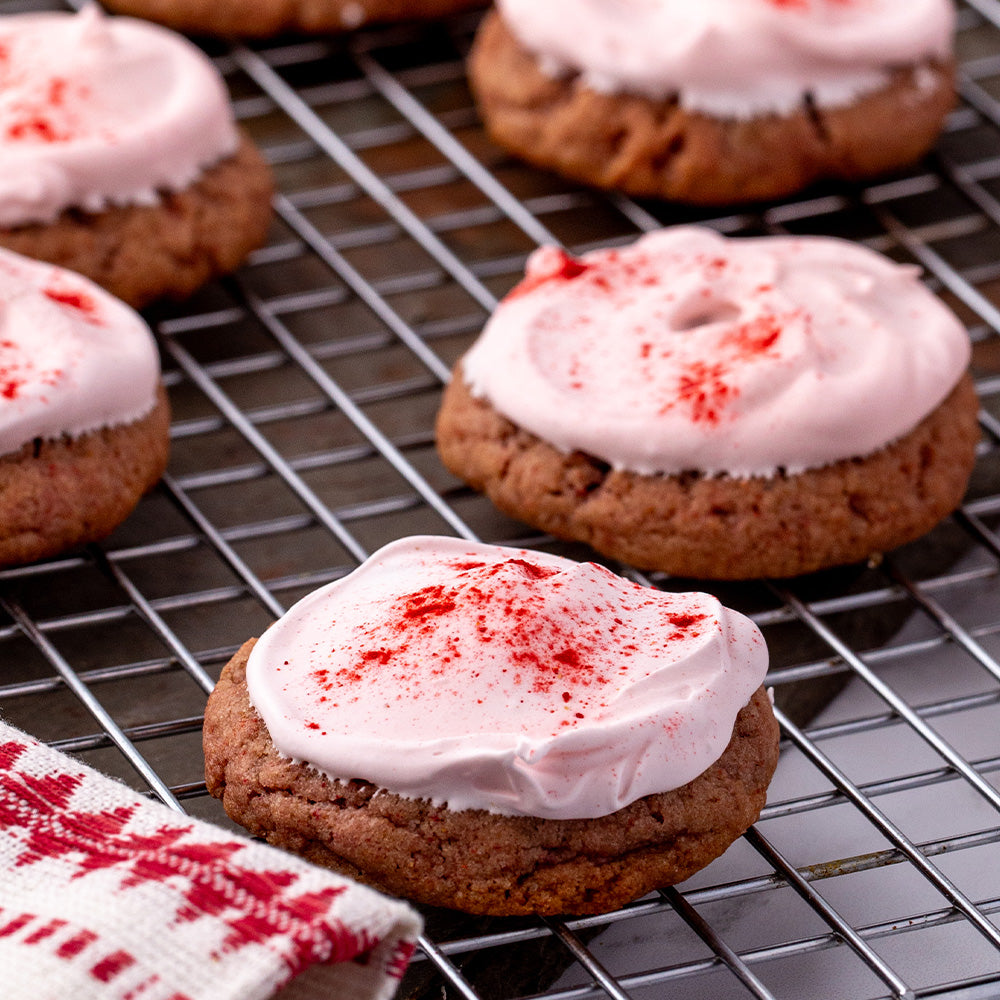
x=254, y=907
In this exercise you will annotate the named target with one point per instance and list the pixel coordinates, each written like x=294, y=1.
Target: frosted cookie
x=119, y=156
x=718, y=101
x=84, y=418
x=496, y=730
x=271, y=17
x=718, y=408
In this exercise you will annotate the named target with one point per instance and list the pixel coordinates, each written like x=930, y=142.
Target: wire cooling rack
x=304, y=391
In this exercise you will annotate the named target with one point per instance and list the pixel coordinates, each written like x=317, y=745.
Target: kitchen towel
x=105, y=894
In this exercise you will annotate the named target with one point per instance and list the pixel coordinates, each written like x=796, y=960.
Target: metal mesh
x=304, y=392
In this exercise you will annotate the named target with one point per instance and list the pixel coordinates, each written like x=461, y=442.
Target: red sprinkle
x=756, y=337
x=36, y=127
x=704, y=388
x=57, y=91
x=10, y=387
x=75, y=300
x=685, y=621
x=565, y=268
x=531, y=570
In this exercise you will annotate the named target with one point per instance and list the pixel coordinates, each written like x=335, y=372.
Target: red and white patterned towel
x=106, y=895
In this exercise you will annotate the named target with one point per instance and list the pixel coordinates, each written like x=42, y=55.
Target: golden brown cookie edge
x=718, y=527
x=473, y=860
x=140, y=253
x=58, y=494
x=652, y=148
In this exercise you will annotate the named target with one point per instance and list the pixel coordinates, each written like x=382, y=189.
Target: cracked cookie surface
x=718, y=527
x=144, y=252
x=474, y=860
x=655, y=148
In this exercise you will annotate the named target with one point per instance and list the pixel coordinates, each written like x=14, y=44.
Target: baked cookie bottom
x=718, y=527
x=144, y=252
x=473, y=860
x=58, y=494
x=655, y=148
x=272, y=17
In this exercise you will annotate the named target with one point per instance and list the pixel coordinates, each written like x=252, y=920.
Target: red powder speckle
x=79, y=301
x=569, y=657
x=57, y=91
x=10, y=387
x=431, y=602
x=563, y=268
x=703, y=387
x=708, y=388
x=544, y=645
x=36, y=128
x=45, y=116
x=685, y=621
x=754, y=338
x=532, y=571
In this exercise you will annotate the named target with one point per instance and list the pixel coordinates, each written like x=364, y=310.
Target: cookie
x=84, y=418
x=497, y=731
x=151, y=195
x=272, y=17
x=700, y=113
x=716, y=408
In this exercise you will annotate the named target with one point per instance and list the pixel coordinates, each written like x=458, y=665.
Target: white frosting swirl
x=733, y=58
x=98, y=111
x=492, y=678
x=691, y=351
x=72, y=358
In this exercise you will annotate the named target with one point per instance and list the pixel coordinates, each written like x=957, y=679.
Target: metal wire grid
x=304, y=392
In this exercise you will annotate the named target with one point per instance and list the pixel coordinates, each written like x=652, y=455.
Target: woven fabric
x=107, y=895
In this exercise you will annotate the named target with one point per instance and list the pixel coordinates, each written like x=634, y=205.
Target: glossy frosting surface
x=691, y=351
x=492, y=678
x=72, y=357
x=98, y=111
x=733, y=58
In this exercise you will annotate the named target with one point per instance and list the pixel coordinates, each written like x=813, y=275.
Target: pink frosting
x=98, y=111
x=491, y=678
x=72, y=358
x=691, y=351
x=733, y=58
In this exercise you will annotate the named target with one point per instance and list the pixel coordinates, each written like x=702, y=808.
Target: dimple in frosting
x=73, y=358
x=690, y=351
x=98, y=111
x=734, y=58
x=483, y=677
